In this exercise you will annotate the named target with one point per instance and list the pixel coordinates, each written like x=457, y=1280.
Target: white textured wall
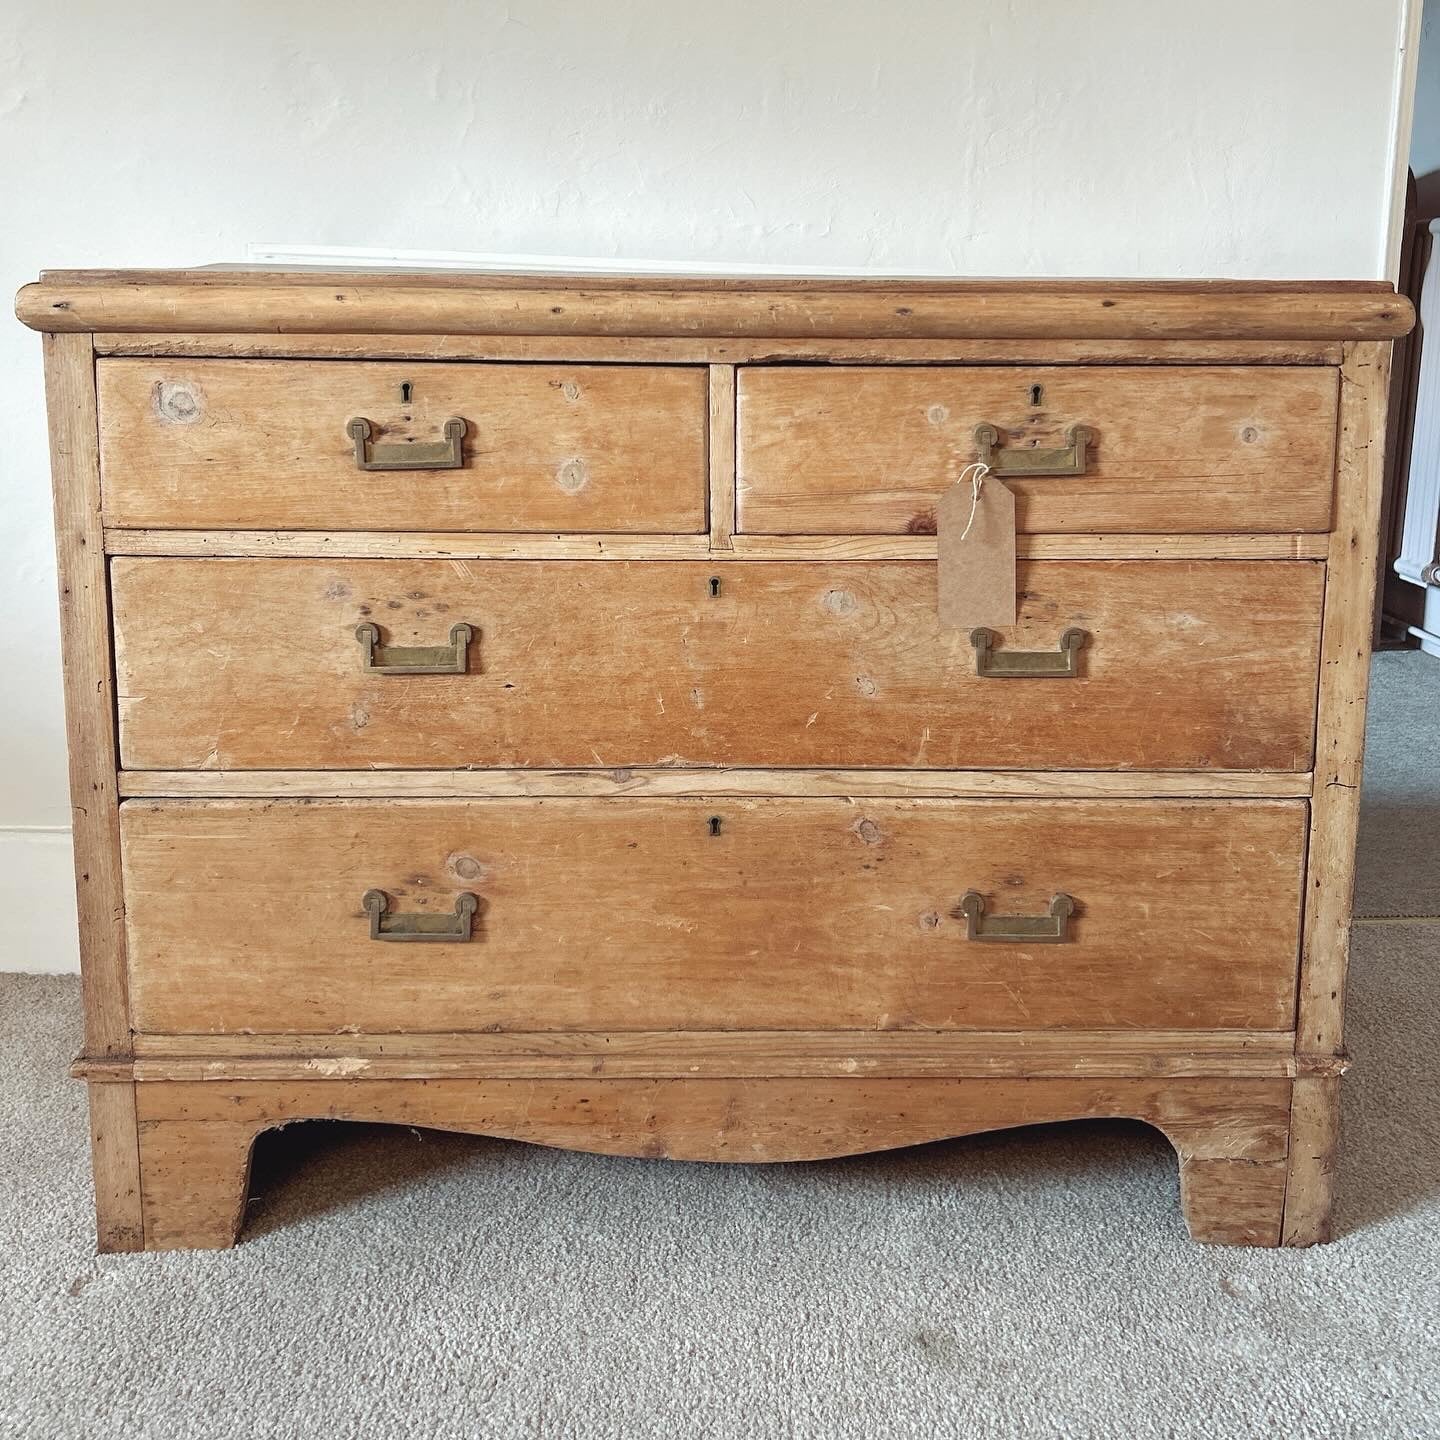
x=989, y=137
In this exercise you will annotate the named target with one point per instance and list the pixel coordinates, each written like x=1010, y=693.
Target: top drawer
x=1186, y=450
x=255, y=444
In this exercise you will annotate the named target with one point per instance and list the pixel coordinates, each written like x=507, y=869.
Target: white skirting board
x=37, y=898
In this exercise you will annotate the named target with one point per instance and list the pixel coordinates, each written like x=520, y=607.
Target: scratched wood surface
x=196, y=1138
x=254, y=443
x=867, y=450
x=798, y=914
x=253, y=664
x=635, y=971
x=451, y=303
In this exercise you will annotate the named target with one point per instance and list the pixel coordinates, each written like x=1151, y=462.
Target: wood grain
x=656, y=783
x=856, y=450
x=595, y=916
x=686, y=350
x=252, y=443
x=194, y=1179
x=89, y=690
x=1066, y=1051
x=722, y=1053
x=754, y=1121
x=1230, y=1135
x=1344, y=689
x=459, y=545
x=235, y=664
x=454, y=304
x=722, y=456
x=1233, y=1202
x=115, y=1163
x=1314, y=1139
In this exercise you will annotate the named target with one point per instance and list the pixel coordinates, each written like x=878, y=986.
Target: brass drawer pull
x=1068, y=461
x=1061, y=664
x=422, y=927
x=446, y=454
x=1051, y=929
x=381, y=659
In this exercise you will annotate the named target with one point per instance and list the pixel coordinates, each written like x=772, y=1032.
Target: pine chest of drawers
x=520, y=705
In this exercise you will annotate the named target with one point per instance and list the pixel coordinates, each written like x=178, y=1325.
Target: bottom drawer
x=632, y=914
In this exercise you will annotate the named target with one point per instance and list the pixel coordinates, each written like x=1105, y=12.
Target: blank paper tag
x=977, y=573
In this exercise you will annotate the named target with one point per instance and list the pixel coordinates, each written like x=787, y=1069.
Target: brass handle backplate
x=1050, y=929
x=378, y=659
x=1061, y=664
x=1067, y=461
x=434, y=929
x=446, y=454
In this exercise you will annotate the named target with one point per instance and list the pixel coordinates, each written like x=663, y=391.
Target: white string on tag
x=977, y=470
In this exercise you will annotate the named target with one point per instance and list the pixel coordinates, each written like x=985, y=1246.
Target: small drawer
x=306, y=664
x=414, y=915
x=1086, y=450
x=362, y=445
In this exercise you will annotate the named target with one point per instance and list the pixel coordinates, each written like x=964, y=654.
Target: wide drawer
x=261, y=664
x=1205, y=449
x=735, y=914
x=246, y=444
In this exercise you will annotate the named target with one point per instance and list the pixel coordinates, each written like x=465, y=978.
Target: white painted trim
x=1402, y=124
x=37, y=898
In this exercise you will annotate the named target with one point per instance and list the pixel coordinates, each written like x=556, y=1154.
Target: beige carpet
x=1035, y=1283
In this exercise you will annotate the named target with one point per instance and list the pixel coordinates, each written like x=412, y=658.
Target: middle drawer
x=304, y=664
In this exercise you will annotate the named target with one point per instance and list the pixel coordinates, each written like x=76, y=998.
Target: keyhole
x=1037, y=393
x=714, y=824
x=714, y=586
x=405, y=389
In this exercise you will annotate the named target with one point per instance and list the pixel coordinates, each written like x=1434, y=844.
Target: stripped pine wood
x=240, y=664
x=457, y=545
x=1314, y=1138
x=592, y=306
x=115, y=1159
x=670, y=350
x=89, y=715
x=219, y=443
x=1344, y=688
x=716, y=783
x=195, y=1178
x=1043, y=1049
x=203, y=1133
x=722, y=456
x=857, y=450
x=711, y=810
x=724, y=1054
x=601, y=917
x=1233, y=1202
x=89, y=692
x=1335, y=811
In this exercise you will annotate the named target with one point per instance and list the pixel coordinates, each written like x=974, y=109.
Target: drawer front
x=868, y=451
x=255, y=664
x=633, y=915
x=249, y=444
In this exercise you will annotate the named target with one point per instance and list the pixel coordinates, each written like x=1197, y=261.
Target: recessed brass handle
x=1051, y=929
x=378, y=659
x=446, y=454
x=435, y=929
x=1061, y=664
x=1068, y=461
